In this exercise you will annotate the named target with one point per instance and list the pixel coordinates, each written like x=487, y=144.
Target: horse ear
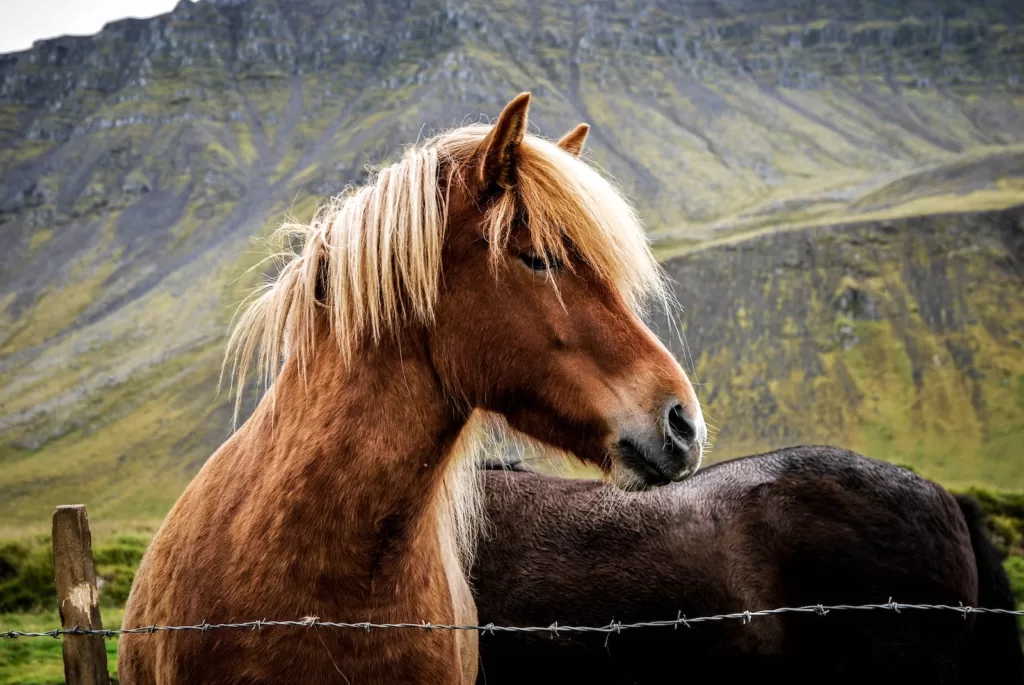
x=572, y=142
x=498, y=154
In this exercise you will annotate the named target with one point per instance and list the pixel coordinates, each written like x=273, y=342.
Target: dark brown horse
x=797, y=527
x=486, y=271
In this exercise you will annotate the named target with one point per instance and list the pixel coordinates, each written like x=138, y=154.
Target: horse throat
x=360, y=456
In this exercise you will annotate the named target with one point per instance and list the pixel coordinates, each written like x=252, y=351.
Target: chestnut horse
x=488, y=272
x=797, y=527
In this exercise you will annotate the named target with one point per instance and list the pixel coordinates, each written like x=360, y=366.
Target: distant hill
x=831, y=181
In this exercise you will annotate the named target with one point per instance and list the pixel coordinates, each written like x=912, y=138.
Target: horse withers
x=797, y=527
x=487, y=272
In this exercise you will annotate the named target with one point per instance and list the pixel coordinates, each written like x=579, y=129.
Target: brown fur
x=335, y=499
x=796, y=527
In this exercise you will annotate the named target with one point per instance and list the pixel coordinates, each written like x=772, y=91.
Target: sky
x=25, y=21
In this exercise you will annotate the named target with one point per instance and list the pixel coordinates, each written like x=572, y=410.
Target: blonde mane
x=371, y=258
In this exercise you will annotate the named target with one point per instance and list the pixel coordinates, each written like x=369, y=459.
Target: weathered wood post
x=85, y=657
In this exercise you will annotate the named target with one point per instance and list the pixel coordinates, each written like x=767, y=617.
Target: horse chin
x=627, y=478
x=632, y=469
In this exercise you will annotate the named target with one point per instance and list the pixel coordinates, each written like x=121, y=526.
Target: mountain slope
x=903, y=339
x=138, y=165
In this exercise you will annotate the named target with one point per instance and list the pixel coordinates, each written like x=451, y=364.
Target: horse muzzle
x=670, y=453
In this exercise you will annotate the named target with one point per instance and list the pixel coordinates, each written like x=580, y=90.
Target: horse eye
x=538, y=263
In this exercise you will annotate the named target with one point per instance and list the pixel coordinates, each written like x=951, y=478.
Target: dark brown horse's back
x=797, y=527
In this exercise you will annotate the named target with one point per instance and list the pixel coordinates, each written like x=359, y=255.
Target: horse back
x=797, y=527
x=839, y=528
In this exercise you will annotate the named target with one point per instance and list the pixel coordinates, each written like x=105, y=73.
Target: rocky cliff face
x=138, y=165
x=700, y=108
x=903, y=339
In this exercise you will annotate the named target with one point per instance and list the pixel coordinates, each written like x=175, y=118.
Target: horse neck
x=361, y=454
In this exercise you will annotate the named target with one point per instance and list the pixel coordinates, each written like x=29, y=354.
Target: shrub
x=125, y=550
x=116, y=563
x=1005, y=514
x=26, y=572
x=26, y=575
x=1015, y=569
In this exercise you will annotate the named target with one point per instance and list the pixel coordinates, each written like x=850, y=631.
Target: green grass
x=38, y=661
x=27, y=593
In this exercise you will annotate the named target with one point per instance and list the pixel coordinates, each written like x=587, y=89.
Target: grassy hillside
x=138, y=168
x=983, y=179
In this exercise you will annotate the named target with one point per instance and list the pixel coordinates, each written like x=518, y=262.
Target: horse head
x=546, y=271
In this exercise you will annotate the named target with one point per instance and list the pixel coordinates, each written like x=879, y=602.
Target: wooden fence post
x=85, y=656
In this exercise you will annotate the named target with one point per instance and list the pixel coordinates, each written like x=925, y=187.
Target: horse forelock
x=572, y=208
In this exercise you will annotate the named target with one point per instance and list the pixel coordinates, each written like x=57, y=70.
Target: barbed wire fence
x=554, y=629
x=82, y=633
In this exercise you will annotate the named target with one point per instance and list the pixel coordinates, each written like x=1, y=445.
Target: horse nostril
x=680, y=428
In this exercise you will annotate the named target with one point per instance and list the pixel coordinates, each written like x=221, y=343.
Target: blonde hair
x=373, y=255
